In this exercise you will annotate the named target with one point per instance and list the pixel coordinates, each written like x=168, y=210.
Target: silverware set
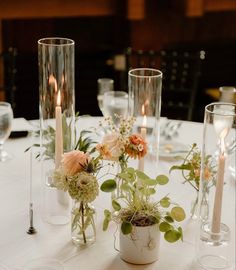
x=169, y=130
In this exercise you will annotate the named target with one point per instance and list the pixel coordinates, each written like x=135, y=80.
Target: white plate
x=173, y=150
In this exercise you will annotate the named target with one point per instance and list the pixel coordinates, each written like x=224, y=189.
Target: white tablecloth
x=17, y=247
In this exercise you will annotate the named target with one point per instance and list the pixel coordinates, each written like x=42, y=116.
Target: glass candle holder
x=56, y=109
x=216, y=245
x=145, y=86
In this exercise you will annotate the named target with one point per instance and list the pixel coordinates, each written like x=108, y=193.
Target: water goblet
x=104, y=85
x=115, y=104
x=6, y=116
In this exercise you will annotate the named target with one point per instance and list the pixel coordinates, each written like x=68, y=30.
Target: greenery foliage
x=135, y=207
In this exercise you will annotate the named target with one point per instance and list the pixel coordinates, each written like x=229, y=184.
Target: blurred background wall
x=103, y=29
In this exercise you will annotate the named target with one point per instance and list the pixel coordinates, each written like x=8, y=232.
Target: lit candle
x=143, y=134
x=216, y=219
x=58, y=136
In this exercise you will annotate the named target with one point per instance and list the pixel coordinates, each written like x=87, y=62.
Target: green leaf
x=126, y=227
x=130, y=170
x=164, y=226
x=125, y=176
x=165, y=202
x=116, y=205
x=162, y=179
x=105, y=224
x=149, y=182
x=169, y=219
x=180, y=167
x=178, y=213
x=172, y=236
x=125, y=187
x=107, y=213
x=107, y=219
x=149, y=191
x=141, y=175
x=108, y=185
x=181, y=231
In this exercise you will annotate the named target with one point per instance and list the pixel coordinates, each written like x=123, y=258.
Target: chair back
x=9, y=75
x=181, y=73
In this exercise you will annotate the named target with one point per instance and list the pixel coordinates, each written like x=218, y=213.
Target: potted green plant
x=140, y=217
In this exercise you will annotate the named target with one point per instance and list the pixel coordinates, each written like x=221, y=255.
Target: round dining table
x=17, y=248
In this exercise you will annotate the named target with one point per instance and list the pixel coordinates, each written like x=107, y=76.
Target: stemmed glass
x=115, y=103
x=104, y=85
x=6, y=116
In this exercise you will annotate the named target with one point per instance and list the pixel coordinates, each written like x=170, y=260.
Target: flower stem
x=82, y=216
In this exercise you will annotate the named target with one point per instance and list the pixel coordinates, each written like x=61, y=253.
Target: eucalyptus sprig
x=135, y=206
x=83, y=143
x=191, y=166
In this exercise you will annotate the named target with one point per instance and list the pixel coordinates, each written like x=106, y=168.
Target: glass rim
x=159, y=73
x=213, y=104
x=7, y=104
x=43, y=41
x=227, y=88
x=105, y=80
x=117, y=92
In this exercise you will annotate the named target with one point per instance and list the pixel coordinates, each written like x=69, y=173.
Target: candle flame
x=144, y=116
x=143, y=109
x=52, y=80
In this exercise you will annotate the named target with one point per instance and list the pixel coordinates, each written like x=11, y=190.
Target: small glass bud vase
x=216, y=245
x=204, y=212
x=83, y=227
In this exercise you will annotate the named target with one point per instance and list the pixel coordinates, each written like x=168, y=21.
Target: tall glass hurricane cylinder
x=56, y=108
x=145, y=86
x=216, y=245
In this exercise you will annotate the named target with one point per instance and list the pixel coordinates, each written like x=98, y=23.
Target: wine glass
x=115, y=103
x=6, y=116
x=104, y=85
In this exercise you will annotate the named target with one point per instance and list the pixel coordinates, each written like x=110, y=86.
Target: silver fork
x=173, y=130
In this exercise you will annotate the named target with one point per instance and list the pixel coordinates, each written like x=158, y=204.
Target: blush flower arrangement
x=190, y=169
x=120, y=144
x=133, y=205
x=77, y=175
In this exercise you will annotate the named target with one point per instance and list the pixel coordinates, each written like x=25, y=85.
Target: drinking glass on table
x=6, y=116
x=227, y=94
x=104, y=85
x=115, y=104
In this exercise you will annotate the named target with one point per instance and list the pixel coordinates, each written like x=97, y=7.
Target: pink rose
x=74, y=162
x=111, y=147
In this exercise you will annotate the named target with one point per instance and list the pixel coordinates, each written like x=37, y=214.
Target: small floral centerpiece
x=135, y=210
x=77, y=175
x=119, y=144
x=190, y=168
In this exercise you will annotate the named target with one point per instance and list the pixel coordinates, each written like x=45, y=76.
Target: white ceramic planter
x=141, y=246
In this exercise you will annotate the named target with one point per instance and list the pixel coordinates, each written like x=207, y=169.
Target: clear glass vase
x=83, y=226
x=145, y=87
x=215, y=245
x=204, y=211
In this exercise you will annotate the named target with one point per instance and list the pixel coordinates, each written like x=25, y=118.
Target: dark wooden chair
x=181, y=73
x=9, y=75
